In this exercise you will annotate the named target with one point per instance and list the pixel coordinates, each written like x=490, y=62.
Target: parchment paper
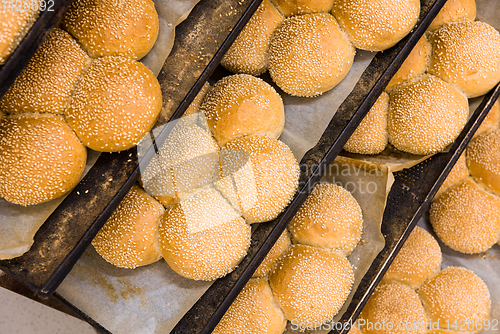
x=19, y=224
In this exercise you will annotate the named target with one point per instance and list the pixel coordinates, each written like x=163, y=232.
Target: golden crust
x=483, y=160
x=14, y=24
x=453, y=11
x=457, y=173
x=280, y=247
x=299, y=7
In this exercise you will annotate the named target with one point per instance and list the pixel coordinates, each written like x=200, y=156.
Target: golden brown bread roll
x=376, y=25
x=456, y=295
x=240, y=105
x=329, y=218
x=309, y=55
x=490, y=122
x=457, y=173
x=46, y=83
x=281, y=245
x=371, y=135
x=203, y=238
x=113, y=28
x=250, y=51
x=418, y=260
x=194, y=107
x=13, y=27
x=129, y=238
x=299, y=7
x=393, y=308
x=263, y=173
x=115, y=103
x=415, y=65
x=255, y=310
x=467, y=54
x=426, y=115
x=311, y=284
x=483, y=159
x=454, y=10
x=467, y=218
x=41, y=158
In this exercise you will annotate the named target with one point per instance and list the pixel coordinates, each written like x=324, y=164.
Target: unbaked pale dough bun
x=40, y=158
x=113, y=28
x=414, y=65
x=298, y=7
x=116, y=102
x=395, y=305
x=311, y=284
x=371, y=135
x=491, y=120
x=376, y=25
x=264, y=175
x=203, y=238
x=281, y=245
x=129, y=238
x=240, y=105
x=255, y=310
x=309, y=55
x=46, y=83
x=453, y=11
x=456, y=295
x=250, y=51
x=426, y=115
x=329, y=218
x=14, y=24
x=467, y=218
x=467, y=54
x=483, y=159
x=418, y=260
x=457, y=173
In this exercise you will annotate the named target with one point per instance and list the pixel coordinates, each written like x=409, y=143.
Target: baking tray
x=71, y=227
x=31, y=42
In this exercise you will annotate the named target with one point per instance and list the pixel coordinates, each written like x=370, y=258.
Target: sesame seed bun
x=280, y=247
x=309, y=55
x=490, y=122
x=311, y=284
x=467, y=218
x=250, y=51
x=240, y=105
x=113, y=28
x=115, y=104
x=426, y=115
x=41, y=158
x=395, y=304
x=483, y=159
x=418, y=260
x=414, y=65
x=129, y=238
x=456, y=295
x=13, y=27
x=329, y=218
x=467, y=54
x=46, y=83
x=298, y=7
x=265, y=175
x=453, y=11
x=457, y=173
x=203, y=238
x=194, y=107
x=376, y=25
x=371, y=135
x=255, y=310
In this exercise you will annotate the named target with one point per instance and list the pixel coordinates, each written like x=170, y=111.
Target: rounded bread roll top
x=309, y=55
x=255, y=310
x=467, y=218
x=418, y=260
x=457, y=173
x=113, y=28
x=454, y=10
x=299, y=7
x=467, y=54
x=280, y=247
x=115, y=104
x=40, y=158
x=46, y=83
x=483, y=159
x=240, y=105
x=491, y=120
x=14, y=24
x=376, y=25
x=129, y=238
x=311, y=284
x=426, y=115
x=457, y=295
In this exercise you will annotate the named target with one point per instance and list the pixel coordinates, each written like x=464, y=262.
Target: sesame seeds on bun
x=129, y=238
x=483, y=159
x=490, y=122
x=299, y=7
x=453, y=11
x=309, y=55
x=457, y=173
x=41, y=158
x=376, y=25
x=115, y=104
x=14, y=24
x=280, y=247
